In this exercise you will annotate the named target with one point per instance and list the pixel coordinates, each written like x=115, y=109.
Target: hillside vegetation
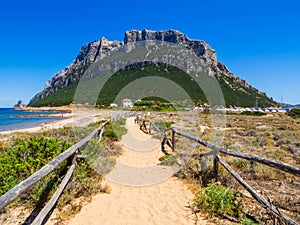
x=234, y=93
x=295, y=113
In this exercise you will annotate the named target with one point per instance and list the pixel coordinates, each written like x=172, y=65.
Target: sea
x=11, y=119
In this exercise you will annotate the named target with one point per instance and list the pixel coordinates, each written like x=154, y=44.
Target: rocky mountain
x=86, y=56
x=89, y=53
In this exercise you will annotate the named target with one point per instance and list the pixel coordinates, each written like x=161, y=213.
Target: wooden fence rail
x=269, y=162
x=45, y=211
x=22, y=187
x=259, y=198
x=218, y=160
x=147, y=126
x=116, y=115
x=154, y=126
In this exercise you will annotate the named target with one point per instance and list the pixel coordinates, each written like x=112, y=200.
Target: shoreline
x=79, y=117
x=65, y=118
x=61, y=121
x=67, y=108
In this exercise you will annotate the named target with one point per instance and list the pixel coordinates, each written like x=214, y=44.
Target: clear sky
x=257, y=40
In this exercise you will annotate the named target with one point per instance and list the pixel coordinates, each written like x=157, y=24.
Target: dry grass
x=274, y=136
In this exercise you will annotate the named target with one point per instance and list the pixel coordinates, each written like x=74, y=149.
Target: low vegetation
x=218, y=200
x=114, y=130
x=255, y=113
x=152, y=105
x=164, y=124
x=25, y=157
x=28, y=153
x=168, y=160
x=294, y=113
x=275, y=136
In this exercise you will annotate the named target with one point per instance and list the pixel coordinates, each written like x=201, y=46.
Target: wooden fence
x=70, y=153
x=147, y=125
x=218, y=160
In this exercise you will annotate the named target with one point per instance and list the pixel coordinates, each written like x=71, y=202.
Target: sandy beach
x=71, y=117
x=65, y=119
x=67, y=108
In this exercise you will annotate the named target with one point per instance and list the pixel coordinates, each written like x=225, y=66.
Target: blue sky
x=257, y=40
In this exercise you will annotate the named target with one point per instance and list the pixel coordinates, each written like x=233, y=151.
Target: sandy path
x=165, y=202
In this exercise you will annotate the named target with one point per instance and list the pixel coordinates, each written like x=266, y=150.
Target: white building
x=112, y=105
x=126, y=102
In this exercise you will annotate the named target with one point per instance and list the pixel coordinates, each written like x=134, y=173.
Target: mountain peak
x=99, y=49
x=172, y=36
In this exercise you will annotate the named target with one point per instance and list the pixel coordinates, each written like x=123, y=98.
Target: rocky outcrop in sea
x=20, y=104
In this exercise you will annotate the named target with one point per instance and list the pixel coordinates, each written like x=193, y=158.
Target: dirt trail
x=142, y=192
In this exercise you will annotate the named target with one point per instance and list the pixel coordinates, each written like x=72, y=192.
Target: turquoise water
x=11, y=119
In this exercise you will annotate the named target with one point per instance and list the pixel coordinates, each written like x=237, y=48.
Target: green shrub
x=114, y=130
x=256, y=113
x=295, y=113
x=246, y=221
x=92, y=150
x=110, y=134
x=217, y=200
x=168, y=160
x=169, y=124
x=26, y=157
x=239, y=163
x=154, y=104
x=164, y=124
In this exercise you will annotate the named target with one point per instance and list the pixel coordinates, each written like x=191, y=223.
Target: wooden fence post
x=216, y=165
x=163, y=146
x=164, y=142
x=100, y=133
x=173, y=140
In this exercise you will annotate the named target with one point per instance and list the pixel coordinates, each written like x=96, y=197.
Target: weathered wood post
x=100, y=133
x=216, y=165
x=173, y=140
x=145, y=126
x=164, y=142
x=42, y=216
x=73, y=158
x=142, y=125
